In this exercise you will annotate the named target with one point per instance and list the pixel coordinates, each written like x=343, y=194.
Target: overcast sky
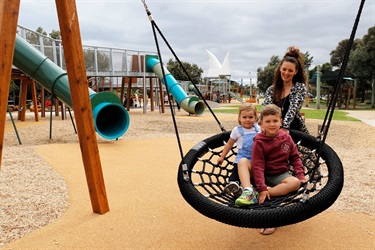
x=252, y=30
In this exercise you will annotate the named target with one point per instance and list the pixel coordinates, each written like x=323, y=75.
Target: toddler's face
x=247, y=119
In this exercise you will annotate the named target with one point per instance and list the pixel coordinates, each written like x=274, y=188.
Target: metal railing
x=99, y=61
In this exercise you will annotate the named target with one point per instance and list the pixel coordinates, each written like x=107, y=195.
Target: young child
x=243, y=136
x=273, y=152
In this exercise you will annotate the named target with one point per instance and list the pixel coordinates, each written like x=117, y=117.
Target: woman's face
x=287, y=71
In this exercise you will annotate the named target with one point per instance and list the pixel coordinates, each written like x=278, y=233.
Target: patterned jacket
x=297, y=97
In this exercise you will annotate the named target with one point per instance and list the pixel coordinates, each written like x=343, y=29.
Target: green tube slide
x=111, y=119
x=192, y=105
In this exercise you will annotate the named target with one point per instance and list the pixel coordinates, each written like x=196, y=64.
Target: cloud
x=252, y=30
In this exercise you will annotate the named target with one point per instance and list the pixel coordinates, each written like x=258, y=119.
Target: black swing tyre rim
x=263, y=218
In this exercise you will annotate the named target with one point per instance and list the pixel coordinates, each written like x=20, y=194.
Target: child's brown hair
x=270, y=109
x=246, y=106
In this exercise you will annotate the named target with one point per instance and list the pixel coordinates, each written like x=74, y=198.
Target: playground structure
x=121, y=71
x=111, y=120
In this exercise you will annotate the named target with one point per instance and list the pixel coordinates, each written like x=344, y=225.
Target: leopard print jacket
x=297, y=97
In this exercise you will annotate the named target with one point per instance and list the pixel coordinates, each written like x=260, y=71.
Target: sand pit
x=45, y=202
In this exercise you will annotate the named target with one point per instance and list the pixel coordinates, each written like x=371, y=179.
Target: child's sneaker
x=247, y=198
x=239, y=192
x=232, y=187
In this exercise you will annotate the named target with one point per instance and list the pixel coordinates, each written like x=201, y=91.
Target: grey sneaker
x=233, y=188
x=239, y=192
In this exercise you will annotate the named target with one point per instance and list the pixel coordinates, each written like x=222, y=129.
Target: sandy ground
x=44, y=200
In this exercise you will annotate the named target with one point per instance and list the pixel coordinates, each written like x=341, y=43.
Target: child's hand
x=304, y=180
x=262, y=196
x=220, y=160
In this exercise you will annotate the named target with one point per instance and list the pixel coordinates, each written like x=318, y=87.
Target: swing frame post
x=75, y=64
x=9, y=10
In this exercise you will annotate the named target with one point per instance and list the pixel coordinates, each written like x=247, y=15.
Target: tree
x=102, y=60
x=362, y=61
x=55, y=34
x=308, y=59
x=193, y=70
x=337, y=55
x=325, y=67
x=265, y=76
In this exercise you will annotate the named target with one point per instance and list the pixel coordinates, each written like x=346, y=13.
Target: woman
x=288, y=90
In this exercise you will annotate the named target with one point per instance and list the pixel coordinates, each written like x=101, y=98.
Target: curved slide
x=111, y=119
x=192, y=105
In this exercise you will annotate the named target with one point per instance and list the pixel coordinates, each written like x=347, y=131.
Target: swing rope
x=336, y=92
x=199, y=174
x=154, y=26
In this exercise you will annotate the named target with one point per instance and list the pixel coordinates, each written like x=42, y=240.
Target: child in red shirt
x=273, y=152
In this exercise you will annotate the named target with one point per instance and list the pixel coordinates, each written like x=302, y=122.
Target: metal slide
x=192, y=105
x=111, y=119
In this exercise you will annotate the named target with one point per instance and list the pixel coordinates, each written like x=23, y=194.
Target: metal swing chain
x=332, y=104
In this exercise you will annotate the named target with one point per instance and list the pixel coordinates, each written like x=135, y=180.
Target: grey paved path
x=365, y=116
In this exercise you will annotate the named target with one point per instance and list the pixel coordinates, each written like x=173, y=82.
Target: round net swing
x=202, y=183
x=201, y=180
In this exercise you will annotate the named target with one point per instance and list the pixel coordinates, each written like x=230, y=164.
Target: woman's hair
x=246, y=106
x=270, y=109
x=292, y=55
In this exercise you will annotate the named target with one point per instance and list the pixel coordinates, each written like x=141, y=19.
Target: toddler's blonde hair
x=246, y=106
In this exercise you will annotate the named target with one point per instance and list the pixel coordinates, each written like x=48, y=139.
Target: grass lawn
x=338, y=115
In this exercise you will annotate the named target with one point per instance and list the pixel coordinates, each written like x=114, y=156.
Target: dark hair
x=292, y=55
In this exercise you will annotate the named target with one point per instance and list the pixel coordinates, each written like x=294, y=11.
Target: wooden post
x=129, y=92
x=122, y=90
x=152, y=94
x=75, y=65
x=161, y=97
x=8, y=26
x=57, y=106
x=35, y=100
x=22, y=101
x=43, y=102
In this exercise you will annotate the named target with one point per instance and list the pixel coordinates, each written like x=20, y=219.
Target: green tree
x=193, y=70
x=102, y=60
x=265, y=75
x=337, y=55
x=308, y=59
x=55, y=34
x=362, y=62
x=325, y=67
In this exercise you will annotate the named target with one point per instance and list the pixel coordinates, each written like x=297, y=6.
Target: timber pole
x=9, y=10
x=71, y=40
